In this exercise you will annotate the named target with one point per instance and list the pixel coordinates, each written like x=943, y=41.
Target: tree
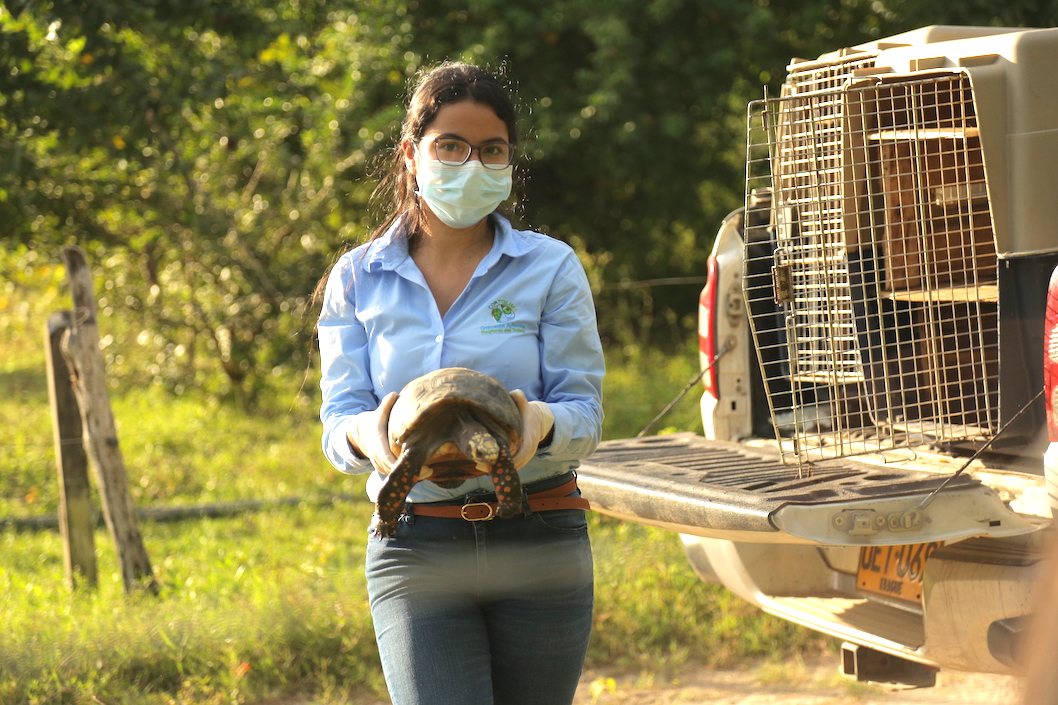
x=214, y=157
x=179, y=149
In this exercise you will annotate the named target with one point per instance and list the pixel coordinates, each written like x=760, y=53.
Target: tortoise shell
x=439, y=392
x=446, y=427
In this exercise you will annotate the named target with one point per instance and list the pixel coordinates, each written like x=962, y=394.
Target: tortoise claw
x=383, y=532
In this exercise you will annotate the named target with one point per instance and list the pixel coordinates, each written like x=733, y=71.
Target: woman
x=468, y=612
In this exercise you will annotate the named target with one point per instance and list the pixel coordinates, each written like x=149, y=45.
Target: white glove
x=369, y=435
x=537, y=424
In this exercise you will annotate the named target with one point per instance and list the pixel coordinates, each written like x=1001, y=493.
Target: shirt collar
x=508, y=241
x=389, y=250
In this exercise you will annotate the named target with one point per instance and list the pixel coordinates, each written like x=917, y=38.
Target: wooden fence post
x=81, y=348
x=75, y=501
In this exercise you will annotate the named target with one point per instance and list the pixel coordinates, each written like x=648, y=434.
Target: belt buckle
x=490, y=513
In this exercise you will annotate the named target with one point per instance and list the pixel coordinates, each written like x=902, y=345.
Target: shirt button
x=438, y=339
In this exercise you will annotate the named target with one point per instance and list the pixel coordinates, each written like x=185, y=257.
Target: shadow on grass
x=27, y=384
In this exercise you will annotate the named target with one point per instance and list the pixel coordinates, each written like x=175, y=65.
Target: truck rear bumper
x=717, y=489
x=974, y=590
x=788, y=540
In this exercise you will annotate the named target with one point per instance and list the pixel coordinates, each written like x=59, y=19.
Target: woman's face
x=474, y=123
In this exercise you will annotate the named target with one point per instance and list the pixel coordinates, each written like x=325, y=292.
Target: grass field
x=273, y=601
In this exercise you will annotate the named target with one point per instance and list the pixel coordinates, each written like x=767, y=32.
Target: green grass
x=273, y=602
x=266, y=602
x=638, y=386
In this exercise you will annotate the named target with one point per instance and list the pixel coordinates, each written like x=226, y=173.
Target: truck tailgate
x=689, y=484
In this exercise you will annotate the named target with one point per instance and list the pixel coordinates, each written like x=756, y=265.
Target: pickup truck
x=879, y=340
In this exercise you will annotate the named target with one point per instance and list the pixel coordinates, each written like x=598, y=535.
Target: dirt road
x=792, y=683
x=789, y=683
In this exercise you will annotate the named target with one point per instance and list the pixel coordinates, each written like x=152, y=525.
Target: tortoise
x=448, y=426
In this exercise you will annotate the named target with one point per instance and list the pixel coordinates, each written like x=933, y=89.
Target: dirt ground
x=792, y=683
x=795, y=682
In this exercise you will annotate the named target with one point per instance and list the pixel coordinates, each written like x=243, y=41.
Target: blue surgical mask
x=462, y=195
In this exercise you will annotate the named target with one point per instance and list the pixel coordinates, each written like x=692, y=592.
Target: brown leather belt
x=543, y=501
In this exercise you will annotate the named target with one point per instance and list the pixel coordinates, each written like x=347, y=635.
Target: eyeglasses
x=452, y=151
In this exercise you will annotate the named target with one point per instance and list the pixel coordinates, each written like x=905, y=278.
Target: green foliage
x=639, y=384
x=646, y=595
x=213, y=157
x=239, y=618
x=273, y=602
x=200, y=168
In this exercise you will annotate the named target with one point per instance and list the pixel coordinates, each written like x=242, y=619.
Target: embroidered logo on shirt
x=503, y=311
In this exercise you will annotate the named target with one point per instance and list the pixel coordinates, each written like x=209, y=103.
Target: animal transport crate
x=874, y=302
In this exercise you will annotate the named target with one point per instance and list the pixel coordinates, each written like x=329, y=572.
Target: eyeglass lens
x=453, y=152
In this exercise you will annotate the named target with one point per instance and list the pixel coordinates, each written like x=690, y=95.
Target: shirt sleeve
x=572, y=364
x=345, y=380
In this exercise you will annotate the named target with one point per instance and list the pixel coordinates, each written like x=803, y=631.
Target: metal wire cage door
x=873, y=293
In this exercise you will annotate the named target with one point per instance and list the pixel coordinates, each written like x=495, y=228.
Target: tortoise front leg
x=507, y=483
x=394, y=492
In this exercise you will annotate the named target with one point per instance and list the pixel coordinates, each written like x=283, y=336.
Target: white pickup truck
x=879, y=331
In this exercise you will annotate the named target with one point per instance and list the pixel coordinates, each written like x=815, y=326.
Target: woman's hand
x=369, y=435
x=537, y=424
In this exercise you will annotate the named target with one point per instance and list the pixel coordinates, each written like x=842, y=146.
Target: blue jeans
x=483, y=613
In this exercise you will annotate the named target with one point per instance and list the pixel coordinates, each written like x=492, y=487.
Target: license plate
x=895, y=571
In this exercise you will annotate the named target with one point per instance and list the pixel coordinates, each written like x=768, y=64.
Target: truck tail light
x=707, y=311
x=1050, y=357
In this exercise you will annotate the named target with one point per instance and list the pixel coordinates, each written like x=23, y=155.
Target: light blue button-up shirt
x=526, y=317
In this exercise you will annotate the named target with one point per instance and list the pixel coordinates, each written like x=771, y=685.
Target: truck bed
x=689, y=484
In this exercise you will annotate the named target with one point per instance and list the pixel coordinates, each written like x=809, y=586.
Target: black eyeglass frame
x=471, y=148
